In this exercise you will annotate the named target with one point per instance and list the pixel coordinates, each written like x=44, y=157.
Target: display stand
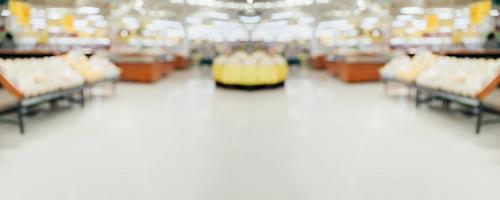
x=389, y=81
x=362, y=67
x=332, y=67
x=359, y=72
x=318, y=62
x=181, y=62
x=112, y=82
x=74, y=95
x=144, y=72
x=427, y=95
x=251, y=87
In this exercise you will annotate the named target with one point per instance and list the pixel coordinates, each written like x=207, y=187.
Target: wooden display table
x=144, y=72
x=332, y=67
x=356, y=68
x=318, y=62
x=143, y=67
x=359, y=72
x=181, y=62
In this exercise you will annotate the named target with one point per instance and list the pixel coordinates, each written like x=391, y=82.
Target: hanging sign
x=20, y=10
x=479, y=11
x=68, y=23
x=432, y=23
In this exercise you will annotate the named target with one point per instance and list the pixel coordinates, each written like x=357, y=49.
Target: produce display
x=256, y=69
x=110, y=70
x=33, y=77
x=406, y=69
x=462, y=76
x=97, y=68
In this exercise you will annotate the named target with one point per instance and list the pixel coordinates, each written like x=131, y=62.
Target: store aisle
x=184, y=139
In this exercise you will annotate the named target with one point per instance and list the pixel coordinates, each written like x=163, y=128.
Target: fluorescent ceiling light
x=95, y=17
x=306, y=20
x=282, y=15
x=86, y=10
x=404, y=17
x=5, y=13
x=412, y=10
x=218, y=15
x=250, y=19
x=194, y=20
x=494, y=13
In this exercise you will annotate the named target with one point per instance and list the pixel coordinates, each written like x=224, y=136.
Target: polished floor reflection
x=315, y=139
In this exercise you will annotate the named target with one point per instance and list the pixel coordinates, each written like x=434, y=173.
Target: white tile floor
x=183, y=139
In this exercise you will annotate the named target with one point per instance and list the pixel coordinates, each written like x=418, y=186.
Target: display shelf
x=332, y=67
x=251, y=87
x=143, y=67
x=112, y=81
x=74, y=95
x=318, y=62
x=12, y=53
x=485, y=53
x=359, y=72
x=181, y=62
x=144, y=72
x=427, y=95
x=359, y=67
x=387, y=82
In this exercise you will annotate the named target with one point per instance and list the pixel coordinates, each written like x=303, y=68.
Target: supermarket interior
x=249, y=99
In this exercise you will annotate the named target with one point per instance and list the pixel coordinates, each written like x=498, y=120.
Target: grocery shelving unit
x=387, y=82
x=318, y=62
x=428, y=95
x=111, y=81
x=181, y=62
x=73, y=95
x=143, y=68
x=356, y=68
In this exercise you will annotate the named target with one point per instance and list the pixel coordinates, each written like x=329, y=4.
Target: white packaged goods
x=110, y=70
x=407, y=70
x=33, y=77
x=80, y=62
x=466, y=77
x=390, y=70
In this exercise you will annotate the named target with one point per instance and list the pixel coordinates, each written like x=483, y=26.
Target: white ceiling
x=319, y=11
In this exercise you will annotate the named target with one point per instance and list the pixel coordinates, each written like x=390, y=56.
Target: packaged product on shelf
x=420, y=62
x=406, y=69
x=390, y=70
x=80, y=62
x=462, y=76
x=110, y=70
x=33, y=77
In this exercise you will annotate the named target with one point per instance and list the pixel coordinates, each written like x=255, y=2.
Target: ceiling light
x=249, y=19
x=218, y=15
x=494, y=13
x=282, y=15
x=5, y=13
x=87, y=10
x=194, y=20
x=412, y=10
x=306, y=20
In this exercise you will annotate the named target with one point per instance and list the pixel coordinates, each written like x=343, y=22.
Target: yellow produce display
x=254, y=69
